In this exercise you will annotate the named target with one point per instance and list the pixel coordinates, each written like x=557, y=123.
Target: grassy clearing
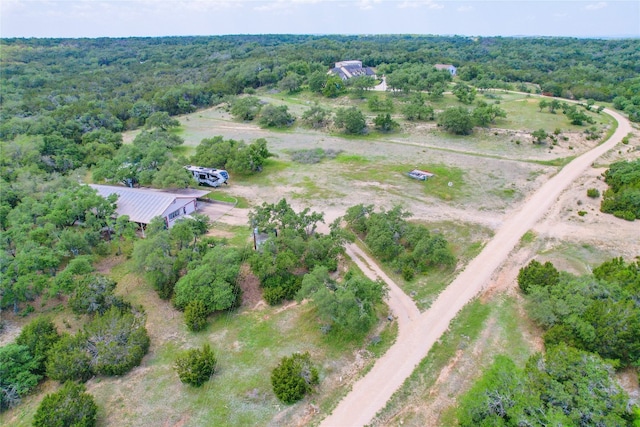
x=523, y=113
x=312, y=191
x=465, y=328
x=479, y=332
x=352, y=159
x=389, y=174
x=576, y=258
x=239, y=202
x=236, y=235
x=248, y=344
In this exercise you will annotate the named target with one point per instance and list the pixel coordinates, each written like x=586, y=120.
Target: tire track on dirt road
x=417, y=334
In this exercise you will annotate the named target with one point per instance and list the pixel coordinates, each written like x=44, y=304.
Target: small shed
x=143, y=204
x=421, y=175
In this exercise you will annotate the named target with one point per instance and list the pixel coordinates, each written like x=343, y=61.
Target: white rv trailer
x=208, y=176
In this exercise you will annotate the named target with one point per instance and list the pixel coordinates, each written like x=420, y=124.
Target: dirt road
x=417, y=333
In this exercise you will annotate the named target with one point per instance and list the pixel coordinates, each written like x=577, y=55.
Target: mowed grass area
x=479, y=332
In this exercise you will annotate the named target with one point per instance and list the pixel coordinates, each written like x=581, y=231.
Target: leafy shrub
x=456, y=120
x=281, y=287
x=536, y=274
x=117, y=342
x=69, y=359
x=316, y=117
x=246, y=108
x=39, y=336
x=276, y=116
x=195, y=315
x=210, y=280
x=594, y=193
x=351, y=120
x=623, y=196
x=628, y=215
x=17, y=374
x=195, y=366
x=294, y=377
x=94, y=294
x=69, y=406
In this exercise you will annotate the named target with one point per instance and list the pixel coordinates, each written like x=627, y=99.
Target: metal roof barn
x=141, y=205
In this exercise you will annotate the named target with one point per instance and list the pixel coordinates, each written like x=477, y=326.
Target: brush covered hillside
x=268, y=303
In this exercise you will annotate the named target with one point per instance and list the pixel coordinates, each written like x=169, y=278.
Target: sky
x=133, y=18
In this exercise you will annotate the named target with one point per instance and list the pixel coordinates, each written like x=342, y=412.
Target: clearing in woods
x=491, y=172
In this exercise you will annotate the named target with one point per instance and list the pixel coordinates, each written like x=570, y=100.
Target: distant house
x=450, y=68
x=349, y=69
x=144, y=204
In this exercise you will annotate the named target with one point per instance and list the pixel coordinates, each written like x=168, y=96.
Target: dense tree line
x=75, y=86
x=50, y=227
x=597, y=313
x=565, y=386
x=623, y=196
x=592, y=326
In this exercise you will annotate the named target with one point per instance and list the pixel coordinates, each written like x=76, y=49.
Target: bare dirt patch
x=105, y=265
x=250, y=286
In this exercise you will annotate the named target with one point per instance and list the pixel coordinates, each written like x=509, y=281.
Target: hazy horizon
x=157, y=18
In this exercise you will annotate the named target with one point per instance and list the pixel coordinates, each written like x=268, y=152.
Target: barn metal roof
x=142, y=204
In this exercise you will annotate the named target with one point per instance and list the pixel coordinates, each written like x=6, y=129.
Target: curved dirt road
x=418, y=332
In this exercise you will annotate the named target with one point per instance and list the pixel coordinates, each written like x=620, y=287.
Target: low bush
x=195, y=367
x=294, y=377
x=195, y=315
x=594, y=193
x=536, y=274
x=69, y=406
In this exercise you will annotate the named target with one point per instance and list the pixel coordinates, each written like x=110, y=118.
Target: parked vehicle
x=209, y=176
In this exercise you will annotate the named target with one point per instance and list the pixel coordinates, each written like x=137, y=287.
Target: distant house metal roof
x=348, y=69
x=449, y=67
x=144, y=204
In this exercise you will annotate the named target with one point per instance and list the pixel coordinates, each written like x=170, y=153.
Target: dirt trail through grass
x=416, y=337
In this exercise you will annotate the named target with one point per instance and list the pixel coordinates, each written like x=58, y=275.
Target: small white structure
x=143, y=204
x=450, y=68
x=208, y=176
x=420, y=174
